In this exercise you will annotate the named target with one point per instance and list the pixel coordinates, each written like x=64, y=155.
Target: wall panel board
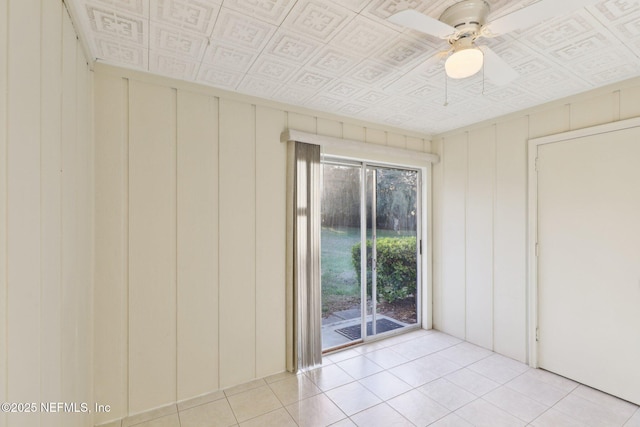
x=197, y=244
x=83, y=186
x=629, y=105
x=111, y=256
x=270, y=233
x=479, y=239
x=23, y=207
x=550, y=121
x=46, y=254
x=375, y=136
x=510, y=231
x=238, y=238
x=303, y=122
x=3, y=209
x=51, y=196
x=152, y=247
x=416, y=144
x=436, y=189
x=330, y=128
x=395, y=140
x=454, y=192
x=353, y=132
x=72, y=217
x=594, y=111
x=77, y=220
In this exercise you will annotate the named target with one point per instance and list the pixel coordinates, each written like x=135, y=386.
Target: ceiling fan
x=465, y=22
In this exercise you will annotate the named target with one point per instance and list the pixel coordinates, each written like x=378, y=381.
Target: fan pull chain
x=446, y=92
x=483, y=78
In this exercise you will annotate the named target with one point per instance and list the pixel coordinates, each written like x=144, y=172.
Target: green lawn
x=338, y=274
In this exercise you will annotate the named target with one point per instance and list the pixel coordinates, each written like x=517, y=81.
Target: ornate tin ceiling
x=345, y=58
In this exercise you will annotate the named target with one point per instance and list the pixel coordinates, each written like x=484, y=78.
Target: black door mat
x=382, y=325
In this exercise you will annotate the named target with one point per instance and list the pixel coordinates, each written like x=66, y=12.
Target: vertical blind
x=307, y=316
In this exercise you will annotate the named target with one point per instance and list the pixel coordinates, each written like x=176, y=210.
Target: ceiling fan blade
x=420, y=22
x=496, y=69
x=534, y=14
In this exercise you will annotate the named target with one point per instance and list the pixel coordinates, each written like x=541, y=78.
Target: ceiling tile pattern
x=344, y=57
x=271, y=11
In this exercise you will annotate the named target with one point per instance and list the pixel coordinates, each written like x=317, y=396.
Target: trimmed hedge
x=397, y=271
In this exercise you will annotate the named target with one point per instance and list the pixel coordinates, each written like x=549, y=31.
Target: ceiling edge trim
x=201, y=88
x=80, y=35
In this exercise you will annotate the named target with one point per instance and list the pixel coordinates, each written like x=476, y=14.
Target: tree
x=340, y=196
x=396, y=199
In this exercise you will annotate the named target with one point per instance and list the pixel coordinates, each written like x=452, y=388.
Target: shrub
x=397, y=270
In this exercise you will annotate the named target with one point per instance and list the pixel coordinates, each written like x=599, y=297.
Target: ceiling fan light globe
x=464, y=63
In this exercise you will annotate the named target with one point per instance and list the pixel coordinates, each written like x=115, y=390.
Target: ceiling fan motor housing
x=467, y=17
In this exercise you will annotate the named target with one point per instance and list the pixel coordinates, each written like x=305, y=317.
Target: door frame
x=532, y=227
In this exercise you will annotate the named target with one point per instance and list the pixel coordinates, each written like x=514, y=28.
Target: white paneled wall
x=46, y=213
x=190, y=237
x=185, y=193
x=480, y=216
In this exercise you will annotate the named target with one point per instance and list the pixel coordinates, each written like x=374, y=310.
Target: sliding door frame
x=391, y=156
x=422, y=255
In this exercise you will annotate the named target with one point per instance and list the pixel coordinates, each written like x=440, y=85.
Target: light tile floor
x=416, y=379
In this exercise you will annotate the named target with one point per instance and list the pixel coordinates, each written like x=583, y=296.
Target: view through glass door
x=377, y=206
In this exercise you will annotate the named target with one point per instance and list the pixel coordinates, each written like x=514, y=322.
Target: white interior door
x=589, y=261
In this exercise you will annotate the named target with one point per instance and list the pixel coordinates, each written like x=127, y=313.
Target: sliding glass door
x=340, y=235
x=392, y=248
x=370, y=251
